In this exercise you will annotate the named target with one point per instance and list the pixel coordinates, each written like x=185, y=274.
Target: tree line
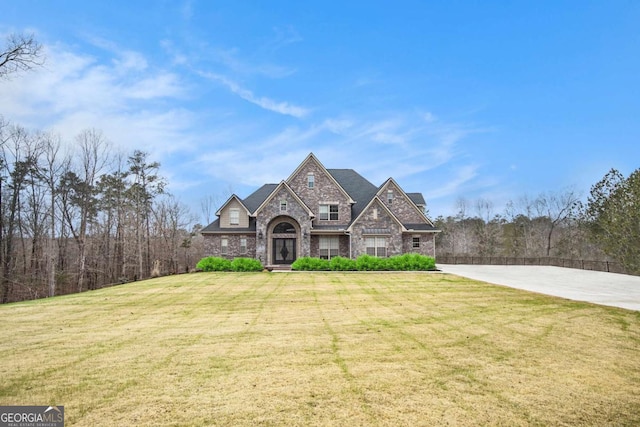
x=80, y=218
x=552, y=224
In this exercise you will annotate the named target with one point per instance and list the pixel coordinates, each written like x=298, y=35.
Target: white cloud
x=281, y=107
x=76, y=91
x=462, y=176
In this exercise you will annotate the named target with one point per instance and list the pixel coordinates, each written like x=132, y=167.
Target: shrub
x=214, y=264
x=310, y=264
x=371, y=263
x=412, y=262
x=406, y=262
x=246, y=264
x=339, y=263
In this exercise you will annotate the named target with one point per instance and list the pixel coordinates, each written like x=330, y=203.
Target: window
x=234, y=216
x=329, y=247
x=243, y=245
x=329, y=212
x=283, y=205
x=224, y=246
x=415, y=242
x=390, y=196
x=310, y=180
x=376, y=246
x=283, y=227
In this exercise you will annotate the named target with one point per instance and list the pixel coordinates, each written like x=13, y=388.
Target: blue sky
x=455, y=99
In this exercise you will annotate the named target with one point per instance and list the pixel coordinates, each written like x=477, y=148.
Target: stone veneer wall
x=265, y=219
x=426, y=244
x=384, y=221
x=325, y=190
x=343, y=248
x=213, y=247
x=403, y=208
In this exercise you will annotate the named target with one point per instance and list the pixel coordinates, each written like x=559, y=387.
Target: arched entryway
x=284, y=233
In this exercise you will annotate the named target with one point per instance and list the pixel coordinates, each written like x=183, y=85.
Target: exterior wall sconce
x=305, y=235
x=260, y=236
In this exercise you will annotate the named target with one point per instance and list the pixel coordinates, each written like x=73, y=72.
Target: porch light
x=260, y=236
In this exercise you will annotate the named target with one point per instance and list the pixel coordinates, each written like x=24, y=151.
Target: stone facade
x=375, y=221
x=271, y=214
x=396, y=223
x=401, y=206
x=325, y=191
x=213, y=245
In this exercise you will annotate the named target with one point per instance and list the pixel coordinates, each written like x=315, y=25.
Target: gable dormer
x=233, y=214
x=320, y=191
x=402, y=206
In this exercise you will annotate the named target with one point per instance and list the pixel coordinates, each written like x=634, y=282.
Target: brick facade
x=294, y=201
x=325, y=191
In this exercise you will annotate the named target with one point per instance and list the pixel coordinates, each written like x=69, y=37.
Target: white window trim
x=413, y=242
x=377, y=248
x=283, y=203
x=328, y=213
x=311, y=181
x=243, y=248
x=332, y=244
x=234, y=212
x=224, y=246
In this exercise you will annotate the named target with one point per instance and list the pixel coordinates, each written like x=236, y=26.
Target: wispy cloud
x=281, y=107
x=76, y=91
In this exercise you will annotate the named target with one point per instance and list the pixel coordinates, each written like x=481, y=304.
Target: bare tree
x=21, y=53
x=557, y=208
x=52, y=171
x=81, y=204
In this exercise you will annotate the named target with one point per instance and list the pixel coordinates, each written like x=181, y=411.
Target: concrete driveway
x=618, y=290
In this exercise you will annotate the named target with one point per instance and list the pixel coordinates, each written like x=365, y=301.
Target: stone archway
x=283, y=236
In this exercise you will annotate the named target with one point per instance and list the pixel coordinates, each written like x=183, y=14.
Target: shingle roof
x=361, y=190
x=417, y=198
x=255, y=199
x=420, y=227
x=214, y=227
x=358, y=187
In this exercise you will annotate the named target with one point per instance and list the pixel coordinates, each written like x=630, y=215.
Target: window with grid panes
x=329, y=247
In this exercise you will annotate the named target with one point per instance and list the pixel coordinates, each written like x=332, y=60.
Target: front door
x=284, y=251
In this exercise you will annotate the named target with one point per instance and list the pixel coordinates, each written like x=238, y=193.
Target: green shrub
x=246, y=264
x=310, y=264
x=339, y=263
x=371, y=263
x=212, y=263
x=411, y=262
x=406, y=262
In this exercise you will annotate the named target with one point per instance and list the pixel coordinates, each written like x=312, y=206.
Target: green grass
x=321, y=349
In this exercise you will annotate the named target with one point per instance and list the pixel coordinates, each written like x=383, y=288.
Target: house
x=323, y=213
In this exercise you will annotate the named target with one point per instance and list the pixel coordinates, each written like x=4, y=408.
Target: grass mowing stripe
x=322, y=349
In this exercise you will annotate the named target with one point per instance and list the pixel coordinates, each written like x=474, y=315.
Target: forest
x=76, y=216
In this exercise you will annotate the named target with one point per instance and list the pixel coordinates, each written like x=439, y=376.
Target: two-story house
x=322, y=213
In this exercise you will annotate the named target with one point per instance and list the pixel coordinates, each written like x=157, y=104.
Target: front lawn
x=321, y=349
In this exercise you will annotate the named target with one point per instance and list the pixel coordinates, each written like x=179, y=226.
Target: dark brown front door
x=284, y=251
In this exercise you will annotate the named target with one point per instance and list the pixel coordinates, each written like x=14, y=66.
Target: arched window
x=284, y=228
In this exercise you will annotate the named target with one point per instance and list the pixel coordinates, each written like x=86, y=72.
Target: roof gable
x=410, y=200
x=312, y=158
x=229, y=200
x=285, y=186
x=377, y=201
